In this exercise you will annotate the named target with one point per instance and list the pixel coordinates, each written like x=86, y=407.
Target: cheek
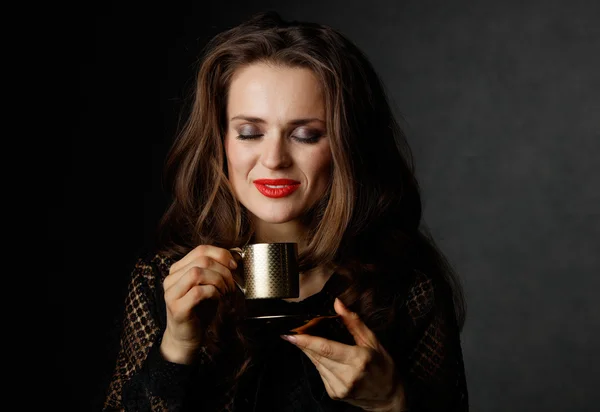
x=237, y=158
x=320, y=163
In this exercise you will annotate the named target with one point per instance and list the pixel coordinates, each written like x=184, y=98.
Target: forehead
x=275, y=92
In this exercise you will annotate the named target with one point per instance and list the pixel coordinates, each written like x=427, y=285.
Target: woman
x=298, y=103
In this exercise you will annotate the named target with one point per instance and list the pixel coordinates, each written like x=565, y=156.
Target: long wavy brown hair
x=369, y=225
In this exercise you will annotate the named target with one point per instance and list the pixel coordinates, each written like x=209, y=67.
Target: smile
x=276, y=188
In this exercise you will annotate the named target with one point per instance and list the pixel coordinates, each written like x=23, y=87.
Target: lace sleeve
x=435, y=379
x=142, y=379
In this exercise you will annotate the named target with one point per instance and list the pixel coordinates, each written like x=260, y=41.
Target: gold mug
x=267, y=270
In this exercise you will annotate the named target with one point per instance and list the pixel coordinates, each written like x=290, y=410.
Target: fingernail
x=232, y=264
x=291, y=339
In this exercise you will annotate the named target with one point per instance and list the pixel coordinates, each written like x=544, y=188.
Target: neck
x=292, y=232
x=312, y=282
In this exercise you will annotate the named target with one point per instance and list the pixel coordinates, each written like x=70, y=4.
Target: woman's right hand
x=201, y=276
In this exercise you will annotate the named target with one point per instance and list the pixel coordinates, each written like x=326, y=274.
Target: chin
x=275, y=218
x=274, y=214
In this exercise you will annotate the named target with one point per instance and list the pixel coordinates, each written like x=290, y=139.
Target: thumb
x=363, y=336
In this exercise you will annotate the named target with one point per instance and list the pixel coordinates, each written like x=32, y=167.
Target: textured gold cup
x=268, y=270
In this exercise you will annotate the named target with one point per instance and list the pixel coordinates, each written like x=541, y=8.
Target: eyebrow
x=295, y=122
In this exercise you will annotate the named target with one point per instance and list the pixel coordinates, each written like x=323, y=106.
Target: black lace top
x=425, y=345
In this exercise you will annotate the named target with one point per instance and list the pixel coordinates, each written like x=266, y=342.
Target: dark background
x=501, y=102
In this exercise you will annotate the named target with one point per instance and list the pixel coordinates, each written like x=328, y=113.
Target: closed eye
x=248, y=136
x=308, y=140
x=307, y=135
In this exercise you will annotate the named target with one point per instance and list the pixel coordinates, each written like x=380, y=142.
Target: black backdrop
x=501, y=105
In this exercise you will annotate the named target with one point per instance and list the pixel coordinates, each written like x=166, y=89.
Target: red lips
x=285, y=187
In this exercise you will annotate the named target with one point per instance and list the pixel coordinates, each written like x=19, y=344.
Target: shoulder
x=421, y=296
x=427, y=294
x=151, y=267
x=145, y=289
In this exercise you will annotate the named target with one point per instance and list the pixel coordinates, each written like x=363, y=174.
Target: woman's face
x=277, y=149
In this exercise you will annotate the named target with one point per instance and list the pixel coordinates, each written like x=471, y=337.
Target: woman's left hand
x=363, y=374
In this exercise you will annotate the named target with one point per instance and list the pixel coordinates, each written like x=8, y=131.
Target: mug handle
x=238, y=255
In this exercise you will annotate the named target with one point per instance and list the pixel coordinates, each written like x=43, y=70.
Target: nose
x=275, y=153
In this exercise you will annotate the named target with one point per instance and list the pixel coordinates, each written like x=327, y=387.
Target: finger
x=328, y=387
x=358, y=360
x=195, y=277
x=203, y=262
x=336, y=367
x=195, y=295
x=335, y=383
x=206, y=262
x=330, y=380
x=363, y=336
x=223, y=256
x=323, y=347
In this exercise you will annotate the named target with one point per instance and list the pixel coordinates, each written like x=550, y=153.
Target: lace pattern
x=429, y=357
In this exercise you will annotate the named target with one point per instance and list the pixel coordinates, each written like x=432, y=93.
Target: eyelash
x=309, y=140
